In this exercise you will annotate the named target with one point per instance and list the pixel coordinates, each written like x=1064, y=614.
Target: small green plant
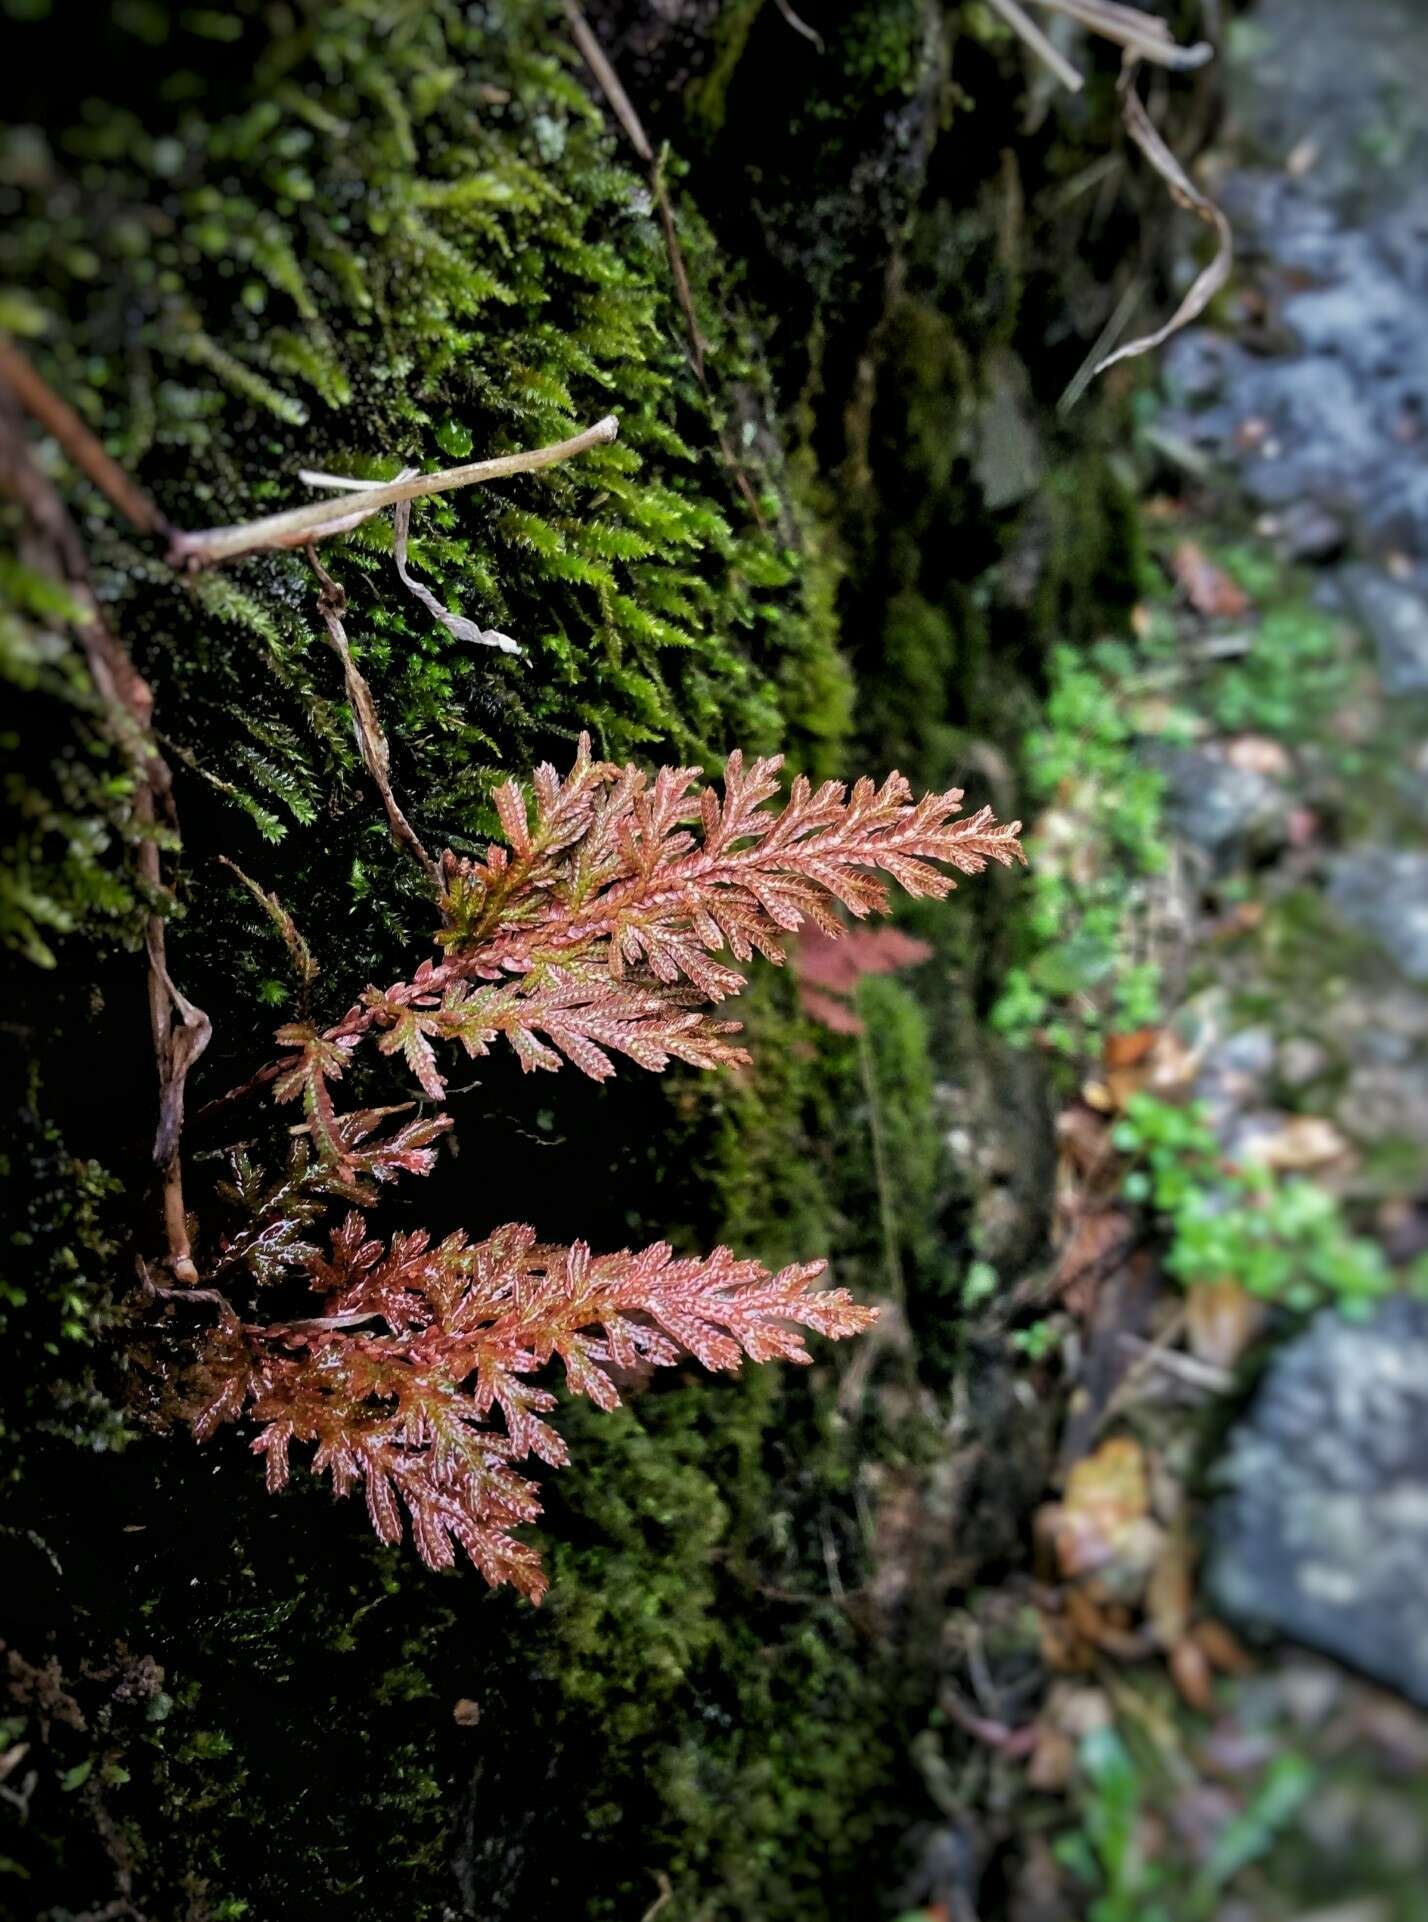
x=1109, y=1851
x=1100, y=835
x=1282, y=1238
x=1293, y=678
x=1038, y=1342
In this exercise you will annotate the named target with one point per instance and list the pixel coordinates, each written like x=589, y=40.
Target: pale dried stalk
x=302, y=526
x=371, y=739
x=1037, y=43
x=128, y=707
x=1140, y=33
x=611, y=85
x=1142, y=37
x=799, y=26
x=1183, y=190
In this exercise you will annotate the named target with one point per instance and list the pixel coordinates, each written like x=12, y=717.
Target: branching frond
x=607, y=924
x=619, y=902
x=418, y=1345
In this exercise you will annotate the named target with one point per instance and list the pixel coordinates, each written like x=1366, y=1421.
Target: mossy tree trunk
x=360, y=236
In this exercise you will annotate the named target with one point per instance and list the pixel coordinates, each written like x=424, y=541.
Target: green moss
x=695, y=1649
x=1285, y=1239
x=68, y=796
x=1077, y=973
x=487, y=280
x=1097, y=563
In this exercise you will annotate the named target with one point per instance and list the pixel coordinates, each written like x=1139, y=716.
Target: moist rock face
x=1383, y=892
x=1323, y=1531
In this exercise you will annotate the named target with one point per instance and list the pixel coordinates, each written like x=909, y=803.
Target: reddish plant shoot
x=606, y=926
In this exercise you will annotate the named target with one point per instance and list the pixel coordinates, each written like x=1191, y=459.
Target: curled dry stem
x=623, y=108
x=53, y=544
x=1141, y=36
x=304, y=526
x=371, y=739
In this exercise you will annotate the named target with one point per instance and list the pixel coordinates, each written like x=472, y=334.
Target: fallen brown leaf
x=1191, y=1673
x=1103, y=1526
x=1221, y=1320
x=1053, y=1760
x=1208, y=588
x=1170, y=1592
x=1304, y=1142
x=1124, y=1050
x=1221, y=1648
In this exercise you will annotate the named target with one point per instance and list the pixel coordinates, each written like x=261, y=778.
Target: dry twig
x=1183, y=190
x=1141, y=34
x=303, y=526
x=371, y=740
x=1036, y=41
x=128, y=707
x=1142, y=37
x=40, y=400
x=623, y=108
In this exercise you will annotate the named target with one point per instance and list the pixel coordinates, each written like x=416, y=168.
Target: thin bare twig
x=128, y=707
x=1109, y=334
x=1037, y=44
x=1187, y=1368
x=663, y=1899
x=1015, y=1743
x=302, y=526
x=1141, y=36
x=623, y=108
x=371, y=740
x=40, y=400
x=611, y=85
x=799, y=26
x=1185, y=193
x=1141, y=33
x=159, y=1293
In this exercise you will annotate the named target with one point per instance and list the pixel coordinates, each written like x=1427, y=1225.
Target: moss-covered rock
x=364, y=235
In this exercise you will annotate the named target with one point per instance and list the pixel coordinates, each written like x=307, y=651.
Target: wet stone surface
x=1322, y=1534
x=1383, y=892
x=1395, y=613
x=1225, y=811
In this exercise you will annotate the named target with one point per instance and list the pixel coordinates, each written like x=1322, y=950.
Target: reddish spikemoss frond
x=664, y=874
x=396, y=1380
x=829, y=969
x=611, y=918
x=605, y=927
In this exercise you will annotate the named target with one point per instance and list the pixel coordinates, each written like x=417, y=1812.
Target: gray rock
x=1220, y=809
x=1302, y=1060
x=1396, y=616
x=1008, y=463
x=1384, y=1101
x=1308, y=531
x=1384, y=893
x=1322, y=1533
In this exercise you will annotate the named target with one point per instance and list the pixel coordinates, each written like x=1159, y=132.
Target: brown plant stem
x=371, y=739
x=128, y=707
x=623, y=108
x=39, y=399
x=302, y=526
